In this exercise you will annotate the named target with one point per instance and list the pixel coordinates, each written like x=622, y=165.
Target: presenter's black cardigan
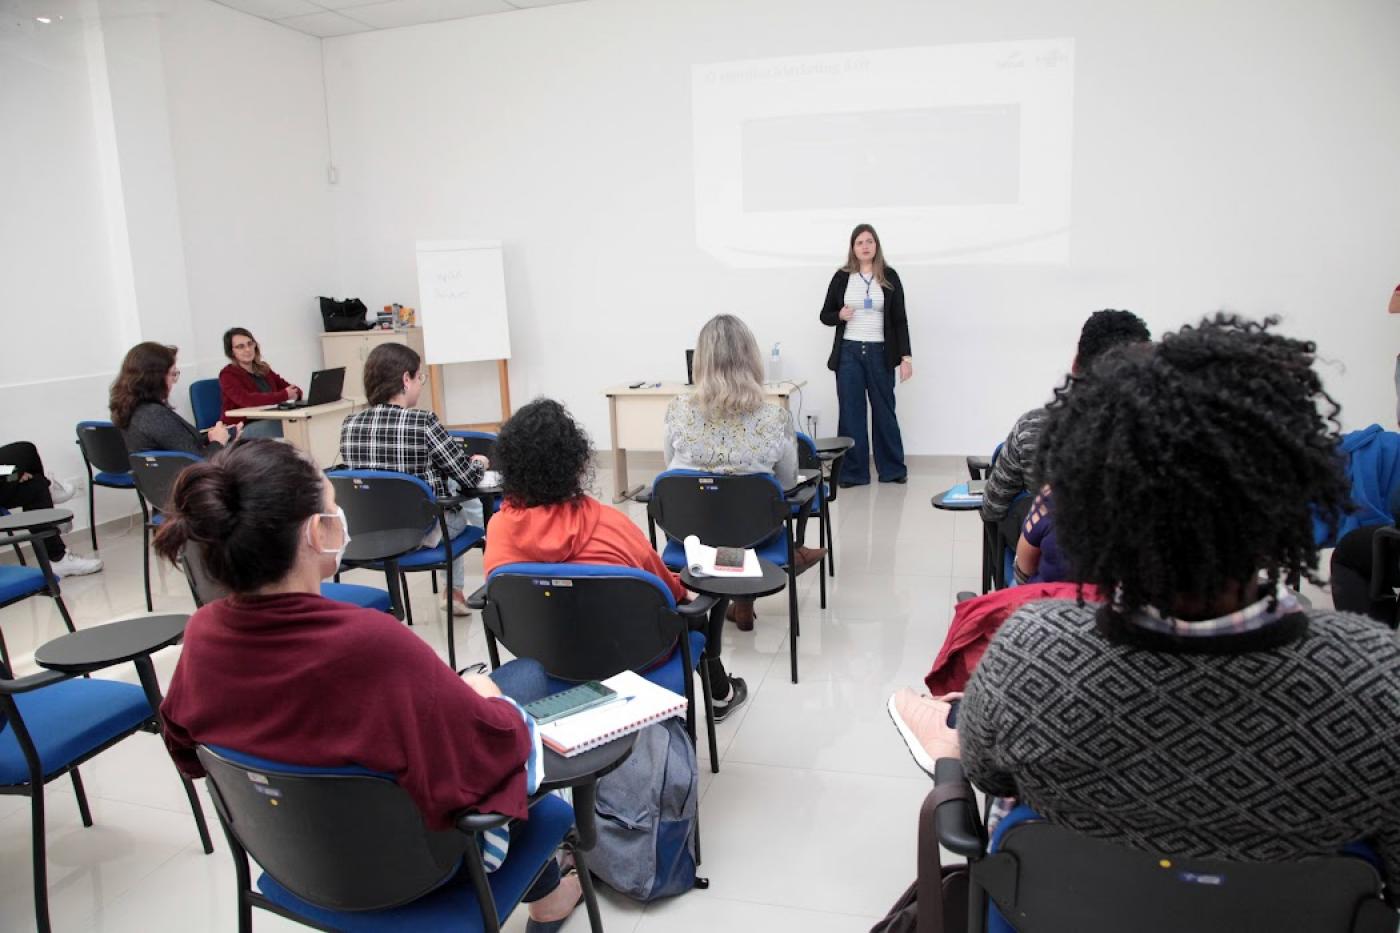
x=896, y=321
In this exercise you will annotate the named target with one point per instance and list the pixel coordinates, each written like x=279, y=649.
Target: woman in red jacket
x=248, y=381
x=278, y=671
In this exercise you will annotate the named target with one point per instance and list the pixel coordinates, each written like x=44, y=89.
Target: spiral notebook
x=639, y=703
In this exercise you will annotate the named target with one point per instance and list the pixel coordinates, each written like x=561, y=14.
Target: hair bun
x=208, y=498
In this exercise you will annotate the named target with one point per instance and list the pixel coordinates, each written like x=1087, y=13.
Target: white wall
x=248, y=136
x=1236, y=155
x=166, y=179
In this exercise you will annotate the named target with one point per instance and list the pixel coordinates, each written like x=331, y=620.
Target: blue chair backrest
x=388, y=512
x=477, y=442
x=1045, y=876
x=342, y=838
x=155, y=472
x=582, y=621
x=807, y=458
x=721, y=510
x=207, y=401
x=103, y=446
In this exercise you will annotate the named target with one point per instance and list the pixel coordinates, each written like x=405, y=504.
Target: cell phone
x=574, y=700
x=953, y=705
x=729, y=558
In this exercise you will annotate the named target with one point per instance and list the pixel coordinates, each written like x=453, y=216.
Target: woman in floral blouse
x=725, y=426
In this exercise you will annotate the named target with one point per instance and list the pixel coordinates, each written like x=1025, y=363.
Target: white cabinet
x=351, y=349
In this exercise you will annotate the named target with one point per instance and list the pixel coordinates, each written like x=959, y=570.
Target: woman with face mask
x=278, y=671
x=865, y=303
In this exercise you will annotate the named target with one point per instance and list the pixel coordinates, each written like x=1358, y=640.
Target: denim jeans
x=863, y=371
x=260, y=427
x=524, y=681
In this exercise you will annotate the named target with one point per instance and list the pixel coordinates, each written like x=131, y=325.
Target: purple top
x=1039, y=531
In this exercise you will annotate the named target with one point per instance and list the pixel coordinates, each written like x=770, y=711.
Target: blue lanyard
x=867, y=282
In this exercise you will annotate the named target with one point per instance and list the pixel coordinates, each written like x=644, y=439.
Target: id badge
x=869, y=303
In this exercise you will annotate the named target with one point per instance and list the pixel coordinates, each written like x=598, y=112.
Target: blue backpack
x=646, y=816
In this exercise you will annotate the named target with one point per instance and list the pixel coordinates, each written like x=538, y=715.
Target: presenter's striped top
x=868, y=326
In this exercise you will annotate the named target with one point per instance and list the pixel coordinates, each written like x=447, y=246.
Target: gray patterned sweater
x=1261, y=755
x=1014, y=470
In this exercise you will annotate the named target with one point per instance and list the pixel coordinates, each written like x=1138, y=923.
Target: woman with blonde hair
x=725, y=426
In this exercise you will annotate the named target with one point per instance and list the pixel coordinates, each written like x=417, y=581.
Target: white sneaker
x=74, y=564
x=60, y=491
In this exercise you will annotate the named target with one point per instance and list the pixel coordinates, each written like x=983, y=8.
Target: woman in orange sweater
x=545, y=460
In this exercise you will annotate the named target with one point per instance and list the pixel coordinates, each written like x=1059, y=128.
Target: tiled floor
x=809, y=826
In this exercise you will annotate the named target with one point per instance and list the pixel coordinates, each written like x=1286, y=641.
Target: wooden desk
x=637, y=419
x=315, y=430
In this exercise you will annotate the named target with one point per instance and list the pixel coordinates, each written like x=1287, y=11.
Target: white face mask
x=344, y=530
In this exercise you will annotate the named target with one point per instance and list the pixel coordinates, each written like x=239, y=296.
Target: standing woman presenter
x=865, y=303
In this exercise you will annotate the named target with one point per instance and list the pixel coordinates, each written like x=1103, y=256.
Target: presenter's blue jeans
x=864, y=373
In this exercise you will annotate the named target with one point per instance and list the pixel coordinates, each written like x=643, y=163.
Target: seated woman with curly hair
x=545, y=461
x=1202, y=711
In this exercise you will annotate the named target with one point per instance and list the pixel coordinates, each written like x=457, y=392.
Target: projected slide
x=956, y=153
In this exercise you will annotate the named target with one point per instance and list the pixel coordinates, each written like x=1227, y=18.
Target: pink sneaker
x=922, y=722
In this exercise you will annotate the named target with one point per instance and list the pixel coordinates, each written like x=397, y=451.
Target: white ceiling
x=326, y=18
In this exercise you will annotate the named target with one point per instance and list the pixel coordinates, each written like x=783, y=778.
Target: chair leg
x=590, y=897
x=92, y=513
x=830, y=539
x=821, y=535
x=709, y=714
x=435, y=586
x=41, y=861
x=81, y=794
x=793, y=626
x=407, y=602
x=146, y=563
x=63, y=611
x=5, y=656
x=198, y=810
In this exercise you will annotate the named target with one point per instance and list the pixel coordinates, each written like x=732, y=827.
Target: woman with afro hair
x=1202, y=711
x=545, y=460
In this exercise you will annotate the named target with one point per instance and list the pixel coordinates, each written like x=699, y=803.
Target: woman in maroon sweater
x=247, y=382
x=278, y=671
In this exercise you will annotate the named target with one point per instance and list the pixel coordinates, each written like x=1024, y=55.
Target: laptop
x=325, y=387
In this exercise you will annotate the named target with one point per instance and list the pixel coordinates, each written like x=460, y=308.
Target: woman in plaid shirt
x=391, y=434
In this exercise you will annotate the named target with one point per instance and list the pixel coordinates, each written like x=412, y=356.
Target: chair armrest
x=477, y=600
x=697, y=612
x=31, y=682
x=472, y=823
x=20, y=537
x=978, y=467
x=451, y=502
x=642, y=495
x=955, y=815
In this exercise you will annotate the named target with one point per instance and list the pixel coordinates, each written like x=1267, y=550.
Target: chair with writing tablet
x=103, y=447
x=155, y=472
x=587, y=622
x=345, y=848
x=1034, y=875
x=746, y=511
x=389, y=513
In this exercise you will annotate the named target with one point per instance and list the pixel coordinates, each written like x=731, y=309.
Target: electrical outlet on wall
x=813, y=422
